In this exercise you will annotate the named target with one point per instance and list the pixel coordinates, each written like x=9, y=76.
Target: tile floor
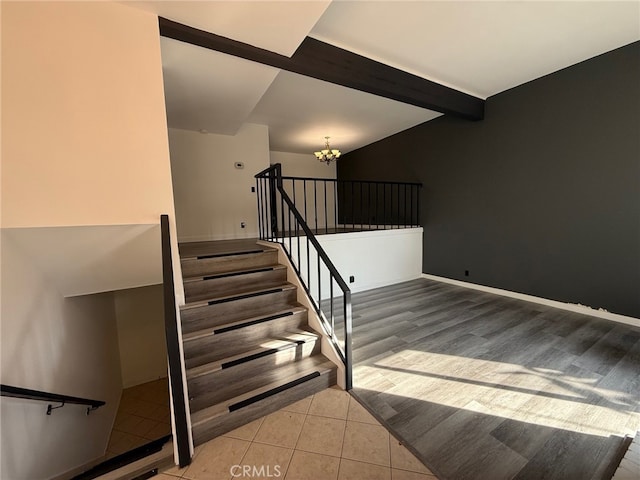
x=327, y=436
x=143, y=415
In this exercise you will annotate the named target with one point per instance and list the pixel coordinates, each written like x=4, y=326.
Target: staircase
x=248, y=348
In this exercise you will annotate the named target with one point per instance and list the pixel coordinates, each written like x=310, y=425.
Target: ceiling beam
x=329, y=63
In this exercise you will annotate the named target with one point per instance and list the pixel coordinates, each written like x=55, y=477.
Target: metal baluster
x=282, y=217
x=398, y=217
x=368, y=205
x=333, y=326
x=266, y=207
x=304, y=188
x=348, y=358
x=377, y=201
x=293, y=186
x=315, y=203
x=384, y=203
x=319, y=286
x=308, y=268
x=353, y=206
x=411, y=206
x=361, y=206
x=326, y=217
x=259, y=209
x=298, y=237
x=418, y=206
x=289, y=227
x=335, y=204
x=404, y=210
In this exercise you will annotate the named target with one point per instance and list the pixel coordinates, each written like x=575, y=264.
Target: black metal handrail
x=334, y=206
x=173, y=347
x=26, y=393
x=280, y=220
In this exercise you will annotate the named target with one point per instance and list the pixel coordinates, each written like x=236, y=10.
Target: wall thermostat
x=238, y=165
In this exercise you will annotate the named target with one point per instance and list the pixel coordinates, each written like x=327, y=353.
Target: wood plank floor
x=486, y=387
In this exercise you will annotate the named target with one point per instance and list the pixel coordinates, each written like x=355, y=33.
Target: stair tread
x=218, y=248
x=211, y=276
x=205, y=332
x=254, y=290
x=288, y=340
x=316, y=363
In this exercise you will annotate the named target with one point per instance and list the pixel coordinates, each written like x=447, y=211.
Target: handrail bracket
x=51, y=408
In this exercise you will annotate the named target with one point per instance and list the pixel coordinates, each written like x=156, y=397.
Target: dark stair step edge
x=255, y=292
x=293, y=340
x=318, y=365
x=123, y=459
x=247, y=322
x=204, y=256
x=232, y=273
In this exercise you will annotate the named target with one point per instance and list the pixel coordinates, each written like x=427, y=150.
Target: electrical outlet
x=243, y=224
x=253, y=189
x=352, y=279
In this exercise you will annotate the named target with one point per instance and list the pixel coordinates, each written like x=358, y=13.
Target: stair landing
x=221, y=247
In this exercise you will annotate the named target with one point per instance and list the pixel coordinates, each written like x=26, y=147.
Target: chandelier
x=327, y=155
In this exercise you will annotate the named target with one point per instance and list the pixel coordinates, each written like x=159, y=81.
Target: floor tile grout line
x=344, y=435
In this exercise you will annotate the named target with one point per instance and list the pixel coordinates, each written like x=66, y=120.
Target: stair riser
x=227, y=285
x=221, y=425
x=208, y=316
x=215, y=388
x=192, y=267
x=219, y=346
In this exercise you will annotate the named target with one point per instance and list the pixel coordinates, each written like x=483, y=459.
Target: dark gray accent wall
x=542, y=196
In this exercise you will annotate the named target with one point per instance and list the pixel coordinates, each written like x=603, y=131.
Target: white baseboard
x=572, y=307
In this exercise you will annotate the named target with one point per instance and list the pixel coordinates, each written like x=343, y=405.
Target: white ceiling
x=481, y=48
x=276, y=26
x=301, y=111
x=207, y=90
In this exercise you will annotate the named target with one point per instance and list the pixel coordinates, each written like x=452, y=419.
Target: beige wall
x=60, y=345
x=212, y=197
x=85, y=78
x=299, y=165
x=84, y=143
x=140, y=319
x=84, y=137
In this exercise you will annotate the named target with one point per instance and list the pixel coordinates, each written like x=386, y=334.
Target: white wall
x=303, y=165
x=141, y=336
x=54, y=344
x=212, y=197
x=374, y=259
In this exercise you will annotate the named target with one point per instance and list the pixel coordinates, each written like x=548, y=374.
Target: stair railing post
x=274, y=205
x=348, y=355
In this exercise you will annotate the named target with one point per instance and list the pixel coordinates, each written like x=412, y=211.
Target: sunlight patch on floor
x=548, y=397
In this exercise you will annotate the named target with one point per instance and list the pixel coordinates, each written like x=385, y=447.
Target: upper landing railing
x=335, y=206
